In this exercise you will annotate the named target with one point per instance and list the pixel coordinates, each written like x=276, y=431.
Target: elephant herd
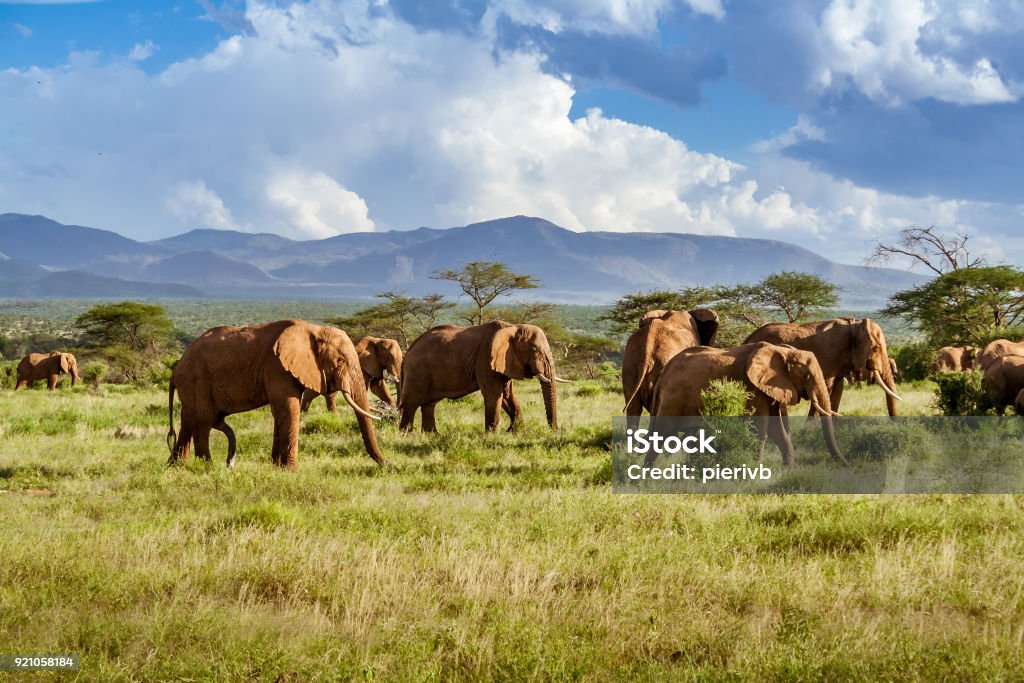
x=669, y=361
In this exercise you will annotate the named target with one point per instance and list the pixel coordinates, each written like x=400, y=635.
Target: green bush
x=8, y=374
x=914, y=361
x=93, y=373
x=960, y=393
x=725, y=397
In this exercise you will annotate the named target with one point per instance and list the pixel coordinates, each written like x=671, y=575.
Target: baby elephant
x=775, y=376
x=48, y=366
x=377, y=358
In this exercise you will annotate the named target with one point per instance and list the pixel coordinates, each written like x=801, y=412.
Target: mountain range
x=41, y=258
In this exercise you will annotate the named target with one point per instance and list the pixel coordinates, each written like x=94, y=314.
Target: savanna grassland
x=474, y=557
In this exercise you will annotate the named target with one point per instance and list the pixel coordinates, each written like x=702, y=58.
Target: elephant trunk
x=820, y=396
x=74, y=375
x=550, y=396
x=357, y=390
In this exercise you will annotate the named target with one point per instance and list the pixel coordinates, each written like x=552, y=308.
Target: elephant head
x=868, y=350
x=522, y=352
x=788, y=375
x=380, y=356
x=69, y=365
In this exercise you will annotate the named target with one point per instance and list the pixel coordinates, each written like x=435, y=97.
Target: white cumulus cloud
x=198, y=206
x=316, y=205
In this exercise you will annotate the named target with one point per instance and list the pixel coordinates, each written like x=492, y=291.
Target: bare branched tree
x=936, y=251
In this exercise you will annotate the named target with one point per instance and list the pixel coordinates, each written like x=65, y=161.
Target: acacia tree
x=400, y=317
x=131, y=335
x=938, y=252
x=965, y=305
x=485, y=281
x=795, y=294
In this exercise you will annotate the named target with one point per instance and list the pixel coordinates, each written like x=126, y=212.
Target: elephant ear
x=707, y=325
x=505, y=356
x=369, y=359
x=65, y=362
x=297, y=349
x=768, y=371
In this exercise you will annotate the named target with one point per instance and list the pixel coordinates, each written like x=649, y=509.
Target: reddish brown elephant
x=48, y=366
x=231, y=370
x=377, y=357
x=662, y=334
x=775, y=377
x=841, y=345
x=955, y=359
x=1003, y=382
x=452, y=362
x=998, y=349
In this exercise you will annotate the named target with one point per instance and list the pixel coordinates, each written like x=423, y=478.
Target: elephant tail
x=648, y=366
x=171, y=436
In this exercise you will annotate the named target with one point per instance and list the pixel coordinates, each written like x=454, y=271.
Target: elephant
x=661, y=335
x=1003, y=382
x=998, y=349
x=449, y=361
x=231, y=370
x=841, y=346
x=48, y=366
x=954, y=359
x=859, y=377
x=775, y=376
x=377, y=357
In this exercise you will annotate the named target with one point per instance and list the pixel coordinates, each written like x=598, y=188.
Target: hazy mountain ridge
x=584, y=267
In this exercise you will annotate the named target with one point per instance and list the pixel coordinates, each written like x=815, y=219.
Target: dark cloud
x=673, y=74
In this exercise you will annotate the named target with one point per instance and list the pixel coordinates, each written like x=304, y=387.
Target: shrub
x=960, y=393
x=725, y=397
x=93, y=373
x=913, y=360
x=8, y=374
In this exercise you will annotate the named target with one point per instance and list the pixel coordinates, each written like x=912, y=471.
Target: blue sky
x=829, y=124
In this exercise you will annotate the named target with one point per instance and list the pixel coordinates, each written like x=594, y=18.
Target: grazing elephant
x=998, y=349
x=775, y=376
x=451, y=362
x=48, y=366
x=841, y=346
x=662, y=334
x=1003, y=381
x=231, y=370
x=954, y=359
x=377, y=357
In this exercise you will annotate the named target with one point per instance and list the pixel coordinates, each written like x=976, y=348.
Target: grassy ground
x=475, y=557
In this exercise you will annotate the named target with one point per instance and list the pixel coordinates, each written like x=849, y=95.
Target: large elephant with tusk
x=775, y=377
x=377, y=357
x=842, y=346
x=231, y=370
x=48, y=366
x=451, y=362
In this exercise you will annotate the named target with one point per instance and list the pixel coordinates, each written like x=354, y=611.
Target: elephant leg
x=429, y=424
x=492, y=406
x=836, y=395
x=634, y=409
x=761, y=430
x=22, y=383
x=202, y=439
x=182, y=443
x=51, y=382
x=307, y=399
x=230, y=434
x=510, y=404
x=778, y=433
x=286, y=431
x=408, y=416
x=332, y=402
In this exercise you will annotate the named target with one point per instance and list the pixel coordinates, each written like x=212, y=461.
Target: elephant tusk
x=565, y=381
x=885, y=388
x=543, y=378
x=352, y=403
x=823, y=411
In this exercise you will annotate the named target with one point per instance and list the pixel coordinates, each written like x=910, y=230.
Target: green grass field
x=474, y=557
